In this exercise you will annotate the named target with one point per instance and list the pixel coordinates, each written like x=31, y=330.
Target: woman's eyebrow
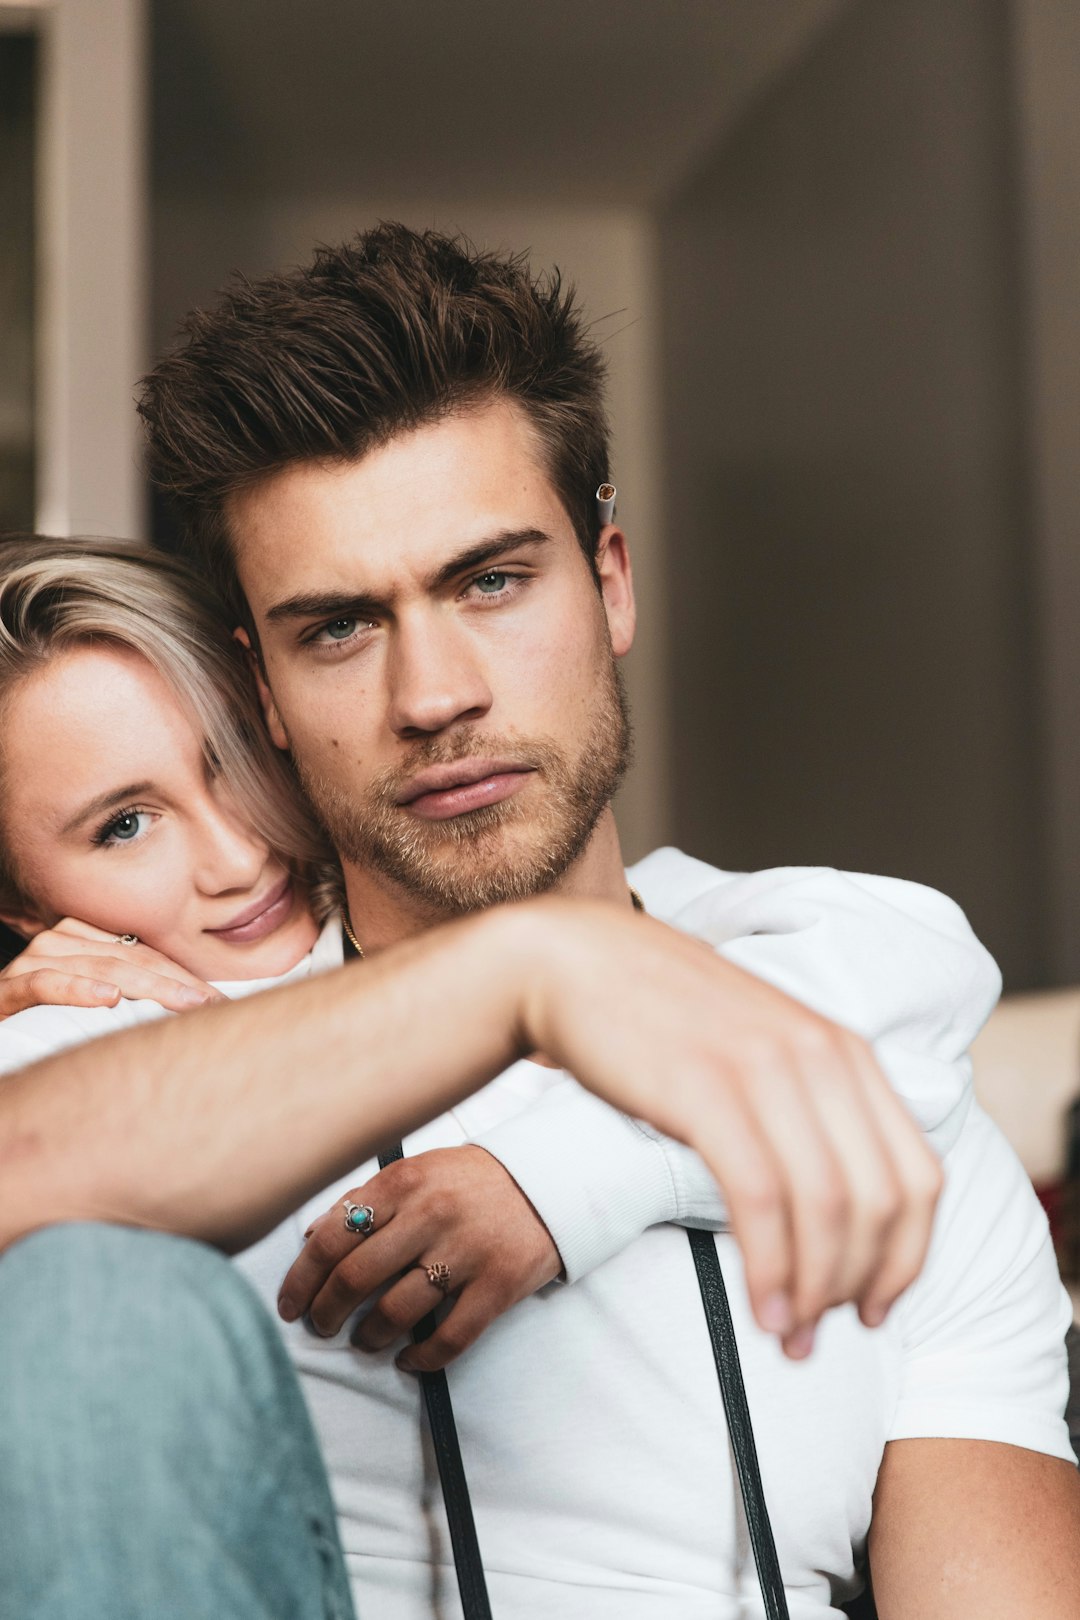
x=106, y=801
x=340, y=603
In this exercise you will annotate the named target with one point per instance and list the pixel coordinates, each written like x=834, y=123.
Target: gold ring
x=438, y=1275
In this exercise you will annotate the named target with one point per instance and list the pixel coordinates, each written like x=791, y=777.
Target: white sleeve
x=28, y=1037
x=598, y=1178
x=21, y=1047
x=894, y=961
x=983, y=1328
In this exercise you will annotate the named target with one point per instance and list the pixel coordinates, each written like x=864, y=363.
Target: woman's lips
x=441, y=804
x=274, y=910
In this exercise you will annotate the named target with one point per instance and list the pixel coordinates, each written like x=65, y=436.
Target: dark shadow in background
x=852, y=629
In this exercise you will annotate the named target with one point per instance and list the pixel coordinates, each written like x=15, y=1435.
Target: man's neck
x=382, y=913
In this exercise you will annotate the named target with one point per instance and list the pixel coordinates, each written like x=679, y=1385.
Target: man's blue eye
x=341, y=629
x=492, y=584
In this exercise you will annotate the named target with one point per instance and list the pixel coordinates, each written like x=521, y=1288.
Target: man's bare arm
x=971, y=1527
x=218, y=1124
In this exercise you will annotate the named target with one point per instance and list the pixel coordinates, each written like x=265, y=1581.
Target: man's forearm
x=217, y=1124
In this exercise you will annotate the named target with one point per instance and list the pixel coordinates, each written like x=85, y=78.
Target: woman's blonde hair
x=58, y=594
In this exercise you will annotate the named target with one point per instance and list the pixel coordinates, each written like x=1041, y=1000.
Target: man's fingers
x=812, y=1183
x=758, y=1208
x=53, y=987
x=866, y=1188
x=920, y=1179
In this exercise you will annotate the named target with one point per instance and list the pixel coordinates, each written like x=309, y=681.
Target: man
x=390, y=463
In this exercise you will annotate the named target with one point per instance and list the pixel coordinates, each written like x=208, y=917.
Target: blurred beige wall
x=849, y=436
x=92, y=284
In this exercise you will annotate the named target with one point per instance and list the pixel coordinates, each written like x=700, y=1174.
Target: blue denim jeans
x=157, y=1461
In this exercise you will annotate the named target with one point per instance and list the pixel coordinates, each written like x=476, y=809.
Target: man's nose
x=435, y=677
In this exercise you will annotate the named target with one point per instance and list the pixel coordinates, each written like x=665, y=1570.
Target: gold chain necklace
x=355, y=943
x=638, y=904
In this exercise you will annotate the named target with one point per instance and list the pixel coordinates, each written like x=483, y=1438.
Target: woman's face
x=111, y=815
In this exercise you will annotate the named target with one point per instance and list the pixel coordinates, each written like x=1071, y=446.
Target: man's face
x=438, y=658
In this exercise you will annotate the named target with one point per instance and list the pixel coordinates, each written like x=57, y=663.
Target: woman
x=115, y=675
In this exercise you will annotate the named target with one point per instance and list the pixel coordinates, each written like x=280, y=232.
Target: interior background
x=832, y=249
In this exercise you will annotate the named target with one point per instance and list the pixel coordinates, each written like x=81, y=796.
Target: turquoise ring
x=359, y=1219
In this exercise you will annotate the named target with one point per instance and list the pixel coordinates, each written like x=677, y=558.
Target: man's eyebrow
x=340, y=604
x=488, y=551
x=106, y=801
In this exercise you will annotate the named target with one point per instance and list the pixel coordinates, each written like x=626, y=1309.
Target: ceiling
x=610, y=101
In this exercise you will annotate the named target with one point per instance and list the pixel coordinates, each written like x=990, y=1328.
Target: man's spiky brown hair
x=386, y=333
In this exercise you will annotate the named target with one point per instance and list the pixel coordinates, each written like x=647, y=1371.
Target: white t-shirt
x=590, y=1416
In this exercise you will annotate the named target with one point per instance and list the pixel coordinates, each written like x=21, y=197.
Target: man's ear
x=278, y=735
x=617, y=588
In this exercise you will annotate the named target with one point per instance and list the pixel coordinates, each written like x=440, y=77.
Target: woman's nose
x=233, y=855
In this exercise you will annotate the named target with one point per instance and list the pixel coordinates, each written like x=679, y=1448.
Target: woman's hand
x=455, y=1206
x=75, y=965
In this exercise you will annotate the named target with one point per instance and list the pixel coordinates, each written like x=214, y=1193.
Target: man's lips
x=261, y=917
x=467, y=784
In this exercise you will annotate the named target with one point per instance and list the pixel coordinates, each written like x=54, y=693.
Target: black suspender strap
x=440, y=1413
x=726, y=1355
x=455, y=1487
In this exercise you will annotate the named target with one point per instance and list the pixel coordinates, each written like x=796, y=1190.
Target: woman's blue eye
x=492, y=584
x=124, y=828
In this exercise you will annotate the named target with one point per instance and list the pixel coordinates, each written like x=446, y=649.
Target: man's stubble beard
x=473, y=860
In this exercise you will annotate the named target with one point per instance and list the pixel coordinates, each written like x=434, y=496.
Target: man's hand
x=456, y=1207
x=75, y=965
x=830, y=1187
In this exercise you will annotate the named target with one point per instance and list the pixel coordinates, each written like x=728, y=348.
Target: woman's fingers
x=332, y=1251
x=93, y=981
x=75, y=965
x=53, y=987
x=70, y=937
